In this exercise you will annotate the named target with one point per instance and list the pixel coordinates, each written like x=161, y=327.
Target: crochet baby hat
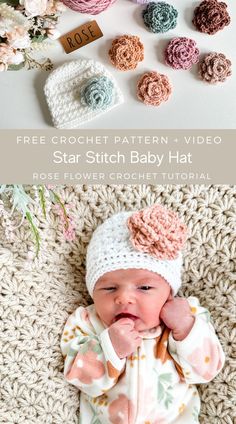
x=80, y=91
x=147, y=239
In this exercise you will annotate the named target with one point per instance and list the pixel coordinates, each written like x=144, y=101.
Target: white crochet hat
x=79, y=91
x=148, y=239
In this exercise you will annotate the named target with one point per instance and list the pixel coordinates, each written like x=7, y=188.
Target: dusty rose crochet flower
x=181, y=53
x=215, y=67
x=211, y=16
x=126, y=52
x=157, y=231
x=153, y=88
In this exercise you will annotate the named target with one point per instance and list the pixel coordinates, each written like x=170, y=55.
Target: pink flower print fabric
x=121, y=410
x=206, y=359
x=86, y=368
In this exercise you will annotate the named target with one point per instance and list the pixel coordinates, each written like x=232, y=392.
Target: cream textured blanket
x=37, y=297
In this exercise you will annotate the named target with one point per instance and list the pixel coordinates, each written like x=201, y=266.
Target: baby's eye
x=109, y=288
x=145, y=288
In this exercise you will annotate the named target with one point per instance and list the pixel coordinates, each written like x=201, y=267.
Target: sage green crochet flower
x=97, y=93
x=160, y=17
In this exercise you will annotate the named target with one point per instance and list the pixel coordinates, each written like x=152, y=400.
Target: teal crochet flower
x=160, y=17
x=97, y=93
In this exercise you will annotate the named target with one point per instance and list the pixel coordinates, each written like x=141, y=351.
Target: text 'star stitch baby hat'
x=147, y=239
x=80, y=91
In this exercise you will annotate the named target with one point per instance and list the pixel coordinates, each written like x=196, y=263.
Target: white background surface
x=193, y=103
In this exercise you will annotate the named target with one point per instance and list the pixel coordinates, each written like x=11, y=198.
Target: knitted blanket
x=38, y=296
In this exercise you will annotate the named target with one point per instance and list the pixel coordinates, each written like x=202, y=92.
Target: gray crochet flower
x=97, y=93
x=160, y=17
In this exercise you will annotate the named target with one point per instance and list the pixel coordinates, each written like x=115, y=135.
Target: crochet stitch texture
x=126, y=52
x=160, y=17
x=214, y=68
x=97, y=93
x=211, y=16
x=153, y=88
x=181, y=53
x=76, y=94
x=92, y=7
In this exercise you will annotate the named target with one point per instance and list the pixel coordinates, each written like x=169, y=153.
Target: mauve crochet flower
x=211, y=16
x=181, y=53
x=126, y=52
x=157, y=231
x=160, y=17
x=153, y=88
x=97, y=93
x=215, y=67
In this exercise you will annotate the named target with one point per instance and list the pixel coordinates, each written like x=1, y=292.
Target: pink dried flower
x=66, y=222
x=181, y=53
x=214, y=68
x=153, y=88
x=18, y=38
x=157, y=231
x=8, y=56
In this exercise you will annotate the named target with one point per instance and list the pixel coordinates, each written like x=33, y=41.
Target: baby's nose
x=124, y=297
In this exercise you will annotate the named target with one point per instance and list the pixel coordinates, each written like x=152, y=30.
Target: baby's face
x=137, y=294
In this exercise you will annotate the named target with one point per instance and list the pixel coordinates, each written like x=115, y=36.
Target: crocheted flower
x=126, y=52
x=160, y=17
x=157, y=231
x=215, y=67
x=153, y=88
x=211, y=16
x=97, y=93
x=181, y=53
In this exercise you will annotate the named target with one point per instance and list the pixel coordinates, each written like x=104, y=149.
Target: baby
x=137, y=352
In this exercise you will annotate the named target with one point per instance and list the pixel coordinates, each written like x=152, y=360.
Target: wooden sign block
x=80, y=36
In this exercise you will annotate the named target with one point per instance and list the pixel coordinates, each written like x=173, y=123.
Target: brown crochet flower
x=153, y=88
x=158, y=231
x=215, y=67
x=126, y=52
x=211, y=16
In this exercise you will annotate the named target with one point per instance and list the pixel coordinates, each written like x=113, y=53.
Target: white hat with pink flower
x=151, y=238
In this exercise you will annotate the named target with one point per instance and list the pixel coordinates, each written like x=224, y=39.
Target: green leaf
x=166, y=377
x=16, y=67
x=38, y=38
x=42, y=200
x=161, y=392
x=10, y=2
x=35, y=232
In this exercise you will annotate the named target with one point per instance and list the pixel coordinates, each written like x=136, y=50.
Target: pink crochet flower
x=181, y=53
x=157, y=231
x=214, y=68
x=153, y=88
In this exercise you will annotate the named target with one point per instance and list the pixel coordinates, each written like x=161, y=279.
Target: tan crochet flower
x=153, y=88
x=215, y=67
x=158, y=231
x=211, y=16
x=126, y=52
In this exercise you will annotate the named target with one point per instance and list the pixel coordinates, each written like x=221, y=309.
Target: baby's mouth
x=125, y=315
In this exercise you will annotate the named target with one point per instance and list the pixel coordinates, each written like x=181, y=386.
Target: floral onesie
x=154, y=385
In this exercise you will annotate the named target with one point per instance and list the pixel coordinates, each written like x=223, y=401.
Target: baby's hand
x=124, y=338
x=177, y=316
